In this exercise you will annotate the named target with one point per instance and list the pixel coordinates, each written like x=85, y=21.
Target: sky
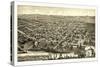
x=28, y=9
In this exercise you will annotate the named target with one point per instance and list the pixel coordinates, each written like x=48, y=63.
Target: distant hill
x=86, y=19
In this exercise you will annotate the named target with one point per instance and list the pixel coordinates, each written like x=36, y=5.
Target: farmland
x=55, y=35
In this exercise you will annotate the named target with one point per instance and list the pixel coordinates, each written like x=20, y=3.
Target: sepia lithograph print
x=51, y=33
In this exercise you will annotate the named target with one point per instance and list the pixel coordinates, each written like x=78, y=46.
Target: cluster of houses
x=88, y=52
x=79, y=50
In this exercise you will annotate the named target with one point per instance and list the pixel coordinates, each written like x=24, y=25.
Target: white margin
x=16, y=63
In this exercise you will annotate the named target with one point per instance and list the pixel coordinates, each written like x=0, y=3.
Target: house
x=90, y=51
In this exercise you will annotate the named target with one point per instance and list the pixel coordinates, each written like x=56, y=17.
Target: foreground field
x=42, y=56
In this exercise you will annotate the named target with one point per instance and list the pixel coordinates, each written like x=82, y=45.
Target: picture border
x=14, y=44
